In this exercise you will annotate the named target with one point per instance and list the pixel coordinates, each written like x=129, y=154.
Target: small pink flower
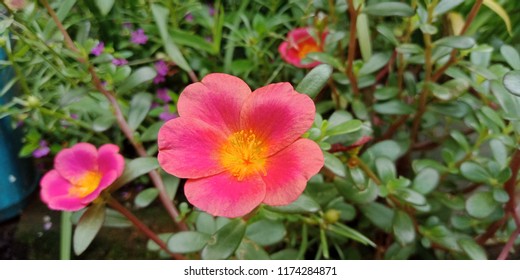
x=239, y=148
x=15, y=5
x=299, y=43
x=188, y=17
x=138, y=37
x=80, y=174
x=161, y=67
x=98, y=49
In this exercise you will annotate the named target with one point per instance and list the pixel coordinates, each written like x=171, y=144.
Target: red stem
x=352, y=46
x=141, y=226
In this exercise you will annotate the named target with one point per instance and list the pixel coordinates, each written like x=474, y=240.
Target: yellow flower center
x=306, y=49
x=243, y=154
x=86, y=184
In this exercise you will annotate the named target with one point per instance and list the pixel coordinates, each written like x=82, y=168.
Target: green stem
x=65, y=235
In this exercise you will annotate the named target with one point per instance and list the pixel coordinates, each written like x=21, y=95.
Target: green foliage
x=419, y=126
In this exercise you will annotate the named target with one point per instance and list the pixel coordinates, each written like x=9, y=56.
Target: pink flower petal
x=109, y=160
x=72, y=163
x=278, y=114
x=188, y=148
x=224, y=195
x=216, y=100
x=55, y=193
x=289, y=170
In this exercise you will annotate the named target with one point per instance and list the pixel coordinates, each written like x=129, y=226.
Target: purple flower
x=42, y=151
x=98, y=49
x=158, y=79
x=138, y=37
x=211, y=11
x=119, y=61
x=154, y=105
x=162, y=94
x=74, y=116
x=128, y=25
x=188, y=17
x=166, y=115
x=161, y=67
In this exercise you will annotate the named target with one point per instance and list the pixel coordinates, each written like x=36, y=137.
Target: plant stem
x=352, y=46
x=65, y=235
x=453, y=58
x=141, y=226
x=368, y=171
x=125, y=128
x=510, y=243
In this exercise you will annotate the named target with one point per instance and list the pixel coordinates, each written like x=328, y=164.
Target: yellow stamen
x=243, y=154
x=306, y=49
x=86, y=184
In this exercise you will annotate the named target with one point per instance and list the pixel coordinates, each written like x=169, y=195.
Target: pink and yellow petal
x=216, y=100
x=188, y=148
x=55, y=193
x=278, y=114
x=224, y=195
x=289, y=170
x=74, y=162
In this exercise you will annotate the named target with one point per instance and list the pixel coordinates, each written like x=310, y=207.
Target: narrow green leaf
x=105, y=6
x=495, y=7
x=315, y=80
x=137, y=78
x=345, y=128
x=139, y=107
x=187, y=242
x=446, y=6
x=385, y=169
x=161, y=15
x=389, y=9
x=388, y=34
x=103, y=122
x=364, y=37
x=88, y=226
x=304, y=204
x=134, y=169
x=351, y=233
x=326, y=59
x=457, y=42
x=225, y=241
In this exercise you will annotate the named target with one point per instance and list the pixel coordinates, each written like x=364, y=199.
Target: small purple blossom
x=188, y=17
x=211, y=11
x=162, y=94
x=154, y=105
x=161, y=67
x=98, y=49
x=128, y=25
x=166, y=115
x=158, y=79
x=138, y=37
x=74, y=116
x=42, y=151
x=119, y=61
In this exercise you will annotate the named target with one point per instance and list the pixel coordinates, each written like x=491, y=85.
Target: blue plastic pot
x=17, y=176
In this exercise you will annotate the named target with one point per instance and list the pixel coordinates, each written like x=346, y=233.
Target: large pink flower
x=298, y=44
x=80, y=174
x=240, y=148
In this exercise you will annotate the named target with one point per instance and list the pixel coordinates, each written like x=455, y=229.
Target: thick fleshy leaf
x=315, y=80
x=289, y=170
x=278, y=114
x=216, y=100
x=266, y=232
x=187, y=241
x=512, y=82
x=188, y=148
x=88, y=226
x=225, y=241
x=134, y=169
x=224, y=195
